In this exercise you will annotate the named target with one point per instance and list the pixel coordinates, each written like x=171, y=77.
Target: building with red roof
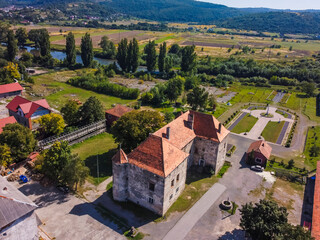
x=259, y=153
x=11, y=89
x=315, y=230
x=5, y=121
x=115, y=113
x=153, y=175
x=24, y=111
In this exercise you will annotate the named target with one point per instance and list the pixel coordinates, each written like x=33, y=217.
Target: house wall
x=110, y=119
x=207, y=150
x=10, y=94
x=221, y=158
x=171, y=193
x=40, y=112
x=20, y=119
x=261, y=156
x=189, y=149
x=120, y=182
x=138, y=188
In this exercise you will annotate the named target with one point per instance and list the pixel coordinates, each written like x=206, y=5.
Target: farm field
x=54, y=88
x=98, y=148
x=245, y=124
x=272, y=131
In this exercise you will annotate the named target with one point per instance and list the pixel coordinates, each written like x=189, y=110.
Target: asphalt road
x=237, y=121
x=283, y=133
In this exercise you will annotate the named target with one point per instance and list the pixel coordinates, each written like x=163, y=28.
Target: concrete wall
x=206, y=150
x=189, y=148
x=138, y=188
x=171, y=193
x=221, y=158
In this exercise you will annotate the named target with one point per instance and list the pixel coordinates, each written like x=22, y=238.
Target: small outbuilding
x=115, y=113
x=259, y=153
x=11, y=89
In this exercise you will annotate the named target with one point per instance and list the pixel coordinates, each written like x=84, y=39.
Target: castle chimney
x=168, y=133
x=219, y=127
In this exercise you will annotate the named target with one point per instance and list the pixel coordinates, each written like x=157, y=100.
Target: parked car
x=257, y=168
x=23, y=179
x=63, y=188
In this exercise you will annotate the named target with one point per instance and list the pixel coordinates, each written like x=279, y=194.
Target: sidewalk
x=187, y=222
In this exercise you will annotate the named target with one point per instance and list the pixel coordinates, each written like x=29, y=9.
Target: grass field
x=53, y=87
x=102, y=148
x=313, y=138
x=272, y=131
x=245, y=124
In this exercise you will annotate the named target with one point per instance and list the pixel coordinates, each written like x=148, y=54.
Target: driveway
x=68, y=217
x=243, y=185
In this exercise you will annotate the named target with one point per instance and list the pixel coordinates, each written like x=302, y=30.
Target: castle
x=153, y=175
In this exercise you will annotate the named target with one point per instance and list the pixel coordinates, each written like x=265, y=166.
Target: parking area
x=66, y=216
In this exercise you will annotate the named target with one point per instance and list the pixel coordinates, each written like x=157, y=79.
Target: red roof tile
x=157, y=155
x=119, y=110
x=27, y=107
x=5, y=121
x=120, y=157
x=33, y=156
x=11, y=87
x=316, y=206
x=262, y=147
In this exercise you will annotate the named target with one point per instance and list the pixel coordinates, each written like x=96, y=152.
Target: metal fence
x=76, y=136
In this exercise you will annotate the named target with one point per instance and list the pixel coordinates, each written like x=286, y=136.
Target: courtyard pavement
x=262, y=122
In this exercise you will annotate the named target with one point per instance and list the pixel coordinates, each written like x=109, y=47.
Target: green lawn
x=102, y=148
x=245, y=124
x=313, y=138
x=272, y=131
x=54, y=88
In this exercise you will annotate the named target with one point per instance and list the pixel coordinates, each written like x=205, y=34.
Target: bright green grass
x=57, y=92
x=272, y=131
x=102, y=148
x=313, y=138
x=245, y=124
x=249, y=94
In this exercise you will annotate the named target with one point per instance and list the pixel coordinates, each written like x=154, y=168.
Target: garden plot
x=278, y=97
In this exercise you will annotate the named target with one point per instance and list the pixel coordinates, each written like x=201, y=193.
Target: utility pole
x=98, y=168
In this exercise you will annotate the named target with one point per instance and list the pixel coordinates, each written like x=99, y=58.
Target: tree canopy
x=134, y=127
x=51, y=124
x=86, y=50
x=151, y=55
x=198, y=98
x=70, y=50
x=174, y=88
x=5, y=155
x=91, y=111
x=70, y=112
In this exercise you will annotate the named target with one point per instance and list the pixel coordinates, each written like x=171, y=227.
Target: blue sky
x=278, y=4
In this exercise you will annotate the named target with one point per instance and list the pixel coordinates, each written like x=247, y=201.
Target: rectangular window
x=171, y=196
x=177, y=190
x=178, y=177
x=258, y=160
x=172, y=183
x=150, y=200
x=151, y=187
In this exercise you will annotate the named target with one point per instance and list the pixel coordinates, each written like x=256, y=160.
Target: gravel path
x=278, y=97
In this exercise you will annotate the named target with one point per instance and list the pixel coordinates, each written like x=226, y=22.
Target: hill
x=283, y=22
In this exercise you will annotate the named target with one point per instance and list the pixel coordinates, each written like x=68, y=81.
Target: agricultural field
x=54, y=88
x=245, y=124
x=272, y=131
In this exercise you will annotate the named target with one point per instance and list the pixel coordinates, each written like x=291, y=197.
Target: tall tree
x=20, y=140
x=122, y=54
x=162, y=56
x=134, y=59
x=197, y=98
x=91, y=111
x=174, y=88
x=189, y=57
x=134, y=127
x=151, y=55
x=12, y=47
x=70, y=113
x=108, y=48
x=44, y=42
x=86, y=50
x=4, y=28
x=308, y=88
x=70, y=49
x=168, y=64
x=22, y=36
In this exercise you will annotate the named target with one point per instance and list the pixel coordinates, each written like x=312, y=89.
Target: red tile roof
x=261, y=146
x=119, y=110
x=161, y=155
x=316, y=206
x=120, y=157
x=27, y=107
x=157, y=155
x=5, y=121
x=11, y=87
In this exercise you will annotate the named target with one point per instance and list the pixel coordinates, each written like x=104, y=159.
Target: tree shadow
x=105, y=164
x=236, y=234
x=302, y=96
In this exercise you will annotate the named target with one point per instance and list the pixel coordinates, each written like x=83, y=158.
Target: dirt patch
x=3, y=110
x=207, y=44
x=143, y=86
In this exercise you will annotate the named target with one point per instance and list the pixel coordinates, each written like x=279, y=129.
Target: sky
x=277, y=4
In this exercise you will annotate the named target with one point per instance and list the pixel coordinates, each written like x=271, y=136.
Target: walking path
x=186, y=223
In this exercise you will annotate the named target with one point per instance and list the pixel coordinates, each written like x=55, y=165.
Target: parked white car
x=257, y=168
